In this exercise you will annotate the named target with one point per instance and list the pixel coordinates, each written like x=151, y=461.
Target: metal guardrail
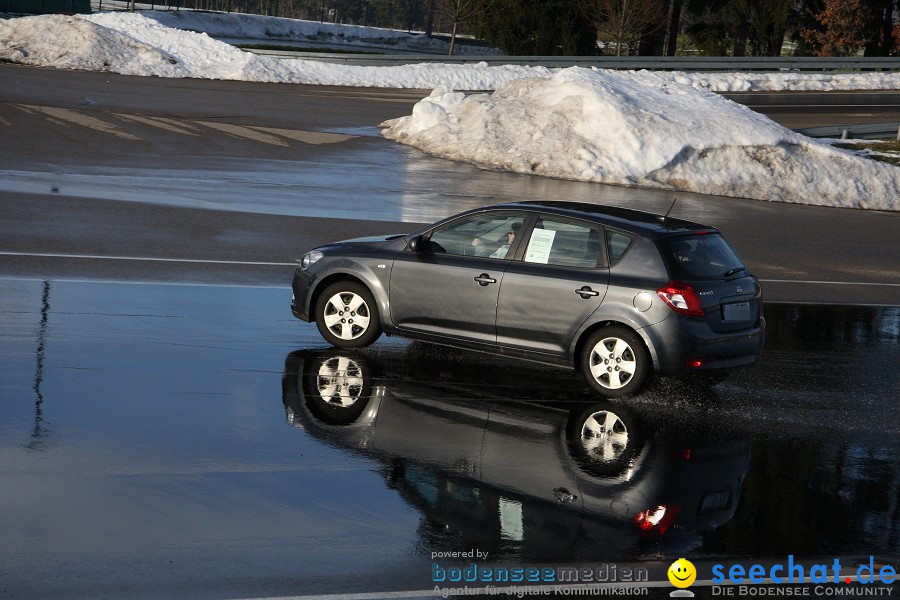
x=868, y=131
x=674, y=63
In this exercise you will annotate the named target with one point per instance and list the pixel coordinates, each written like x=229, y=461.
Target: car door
x=450, y=285
x=558, y=280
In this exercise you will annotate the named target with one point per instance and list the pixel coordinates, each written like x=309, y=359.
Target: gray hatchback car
x=615, y=293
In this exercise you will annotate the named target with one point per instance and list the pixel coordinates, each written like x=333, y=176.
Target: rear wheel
x=615, y=361
x=347, y=316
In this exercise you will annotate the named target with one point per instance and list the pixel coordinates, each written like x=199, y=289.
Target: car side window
x=618, y=244
x=486, y=235
x=565, y=243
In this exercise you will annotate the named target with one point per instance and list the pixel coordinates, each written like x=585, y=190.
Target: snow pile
x=627, y=129
x=72, y=43
x=774, y=82
x=135, y=44
x=132, y=44
x=658, y=129
x=236, y=25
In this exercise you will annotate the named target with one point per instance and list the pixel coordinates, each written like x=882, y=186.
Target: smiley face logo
x=682, y=573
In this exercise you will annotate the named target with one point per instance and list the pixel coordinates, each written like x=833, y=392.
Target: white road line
x=245, y=132
x=830, y=282
x=78, y=118
x=152, y=259
x=292, y=264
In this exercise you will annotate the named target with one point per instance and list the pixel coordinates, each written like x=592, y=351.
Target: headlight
x=309, y=258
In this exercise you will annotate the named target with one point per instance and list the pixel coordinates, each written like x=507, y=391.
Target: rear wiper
x=733, y=271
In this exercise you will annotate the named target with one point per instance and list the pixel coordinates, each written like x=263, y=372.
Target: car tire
x=337, y=387
x=347, y=316
x=604, y=439
x=615, y=361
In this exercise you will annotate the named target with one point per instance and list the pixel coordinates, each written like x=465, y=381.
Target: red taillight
x=656, y=520
x=682, y=298
x=693, y=362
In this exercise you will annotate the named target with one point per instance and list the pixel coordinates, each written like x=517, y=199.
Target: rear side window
x=564, y=243
x=618, y=245
x=706, y=256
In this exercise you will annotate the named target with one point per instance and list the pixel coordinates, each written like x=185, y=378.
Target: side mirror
x=417, y=244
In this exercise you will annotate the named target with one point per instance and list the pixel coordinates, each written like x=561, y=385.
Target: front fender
x=371, y=272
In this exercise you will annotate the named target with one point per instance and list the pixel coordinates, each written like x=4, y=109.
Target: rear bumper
x=680, y=341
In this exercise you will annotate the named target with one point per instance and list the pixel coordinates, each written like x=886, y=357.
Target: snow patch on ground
x=236, y=25
x=658, y=129
x=627, y=129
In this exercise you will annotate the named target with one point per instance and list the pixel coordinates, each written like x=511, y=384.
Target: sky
x=660, y=129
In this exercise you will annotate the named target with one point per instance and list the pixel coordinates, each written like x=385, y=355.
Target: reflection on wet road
x=144, y=450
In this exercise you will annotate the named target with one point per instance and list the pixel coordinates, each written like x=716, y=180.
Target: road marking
x=308, y=137
x=152, y=259
x=830, y=282
x=245, y=132
x=293, y=264
x=64, y=114
x=159, y=122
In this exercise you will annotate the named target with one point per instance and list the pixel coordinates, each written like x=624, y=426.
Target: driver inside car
x=493, y=251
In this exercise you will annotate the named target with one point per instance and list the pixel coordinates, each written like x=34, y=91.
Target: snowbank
x=236, y=25
x=158, y=43
x=628, y=129
x=659, y=129
x=132, y=44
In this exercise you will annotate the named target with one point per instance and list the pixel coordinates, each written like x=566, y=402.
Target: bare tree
x=623, y=22
x=460, y=12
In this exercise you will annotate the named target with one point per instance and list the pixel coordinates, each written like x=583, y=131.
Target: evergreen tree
x=539, y=27
x=738, y=27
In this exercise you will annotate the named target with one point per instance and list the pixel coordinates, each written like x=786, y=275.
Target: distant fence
x=867, y=131
x=673, y=63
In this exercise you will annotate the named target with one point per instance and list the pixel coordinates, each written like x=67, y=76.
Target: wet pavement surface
x=197, y=441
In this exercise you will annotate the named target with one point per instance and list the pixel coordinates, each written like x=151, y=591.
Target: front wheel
x=347, y=316
x=615, y=361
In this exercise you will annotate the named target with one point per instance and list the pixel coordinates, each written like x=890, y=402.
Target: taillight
x=656, y=520
x=682, y=298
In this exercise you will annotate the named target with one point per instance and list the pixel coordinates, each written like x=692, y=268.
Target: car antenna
x=662, y=219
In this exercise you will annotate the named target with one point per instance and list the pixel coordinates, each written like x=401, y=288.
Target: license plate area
x=736, y=311
x=715, y=502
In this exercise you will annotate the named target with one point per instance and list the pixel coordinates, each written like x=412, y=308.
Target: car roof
x=628, y=219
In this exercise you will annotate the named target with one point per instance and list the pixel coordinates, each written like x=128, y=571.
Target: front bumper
x=301, y=288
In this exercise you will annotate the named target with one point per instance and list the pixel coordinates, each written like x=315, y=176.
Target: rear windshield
x=700, y=257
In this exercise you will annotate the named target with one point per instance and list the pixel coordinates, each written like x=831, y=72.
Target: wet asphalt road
x=285, y=167
x=163, y=431
x=174, y=440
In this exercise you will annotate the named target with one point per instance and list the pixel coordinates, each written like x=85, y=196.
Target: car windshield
x=707, y=256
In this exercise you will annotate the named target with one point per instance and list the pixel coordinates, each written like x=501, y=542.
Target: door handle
x=484, y=279
x=586, y=292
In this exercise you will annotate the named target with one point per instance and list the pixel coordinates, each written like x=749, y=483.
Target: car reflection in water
x=565, y=476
